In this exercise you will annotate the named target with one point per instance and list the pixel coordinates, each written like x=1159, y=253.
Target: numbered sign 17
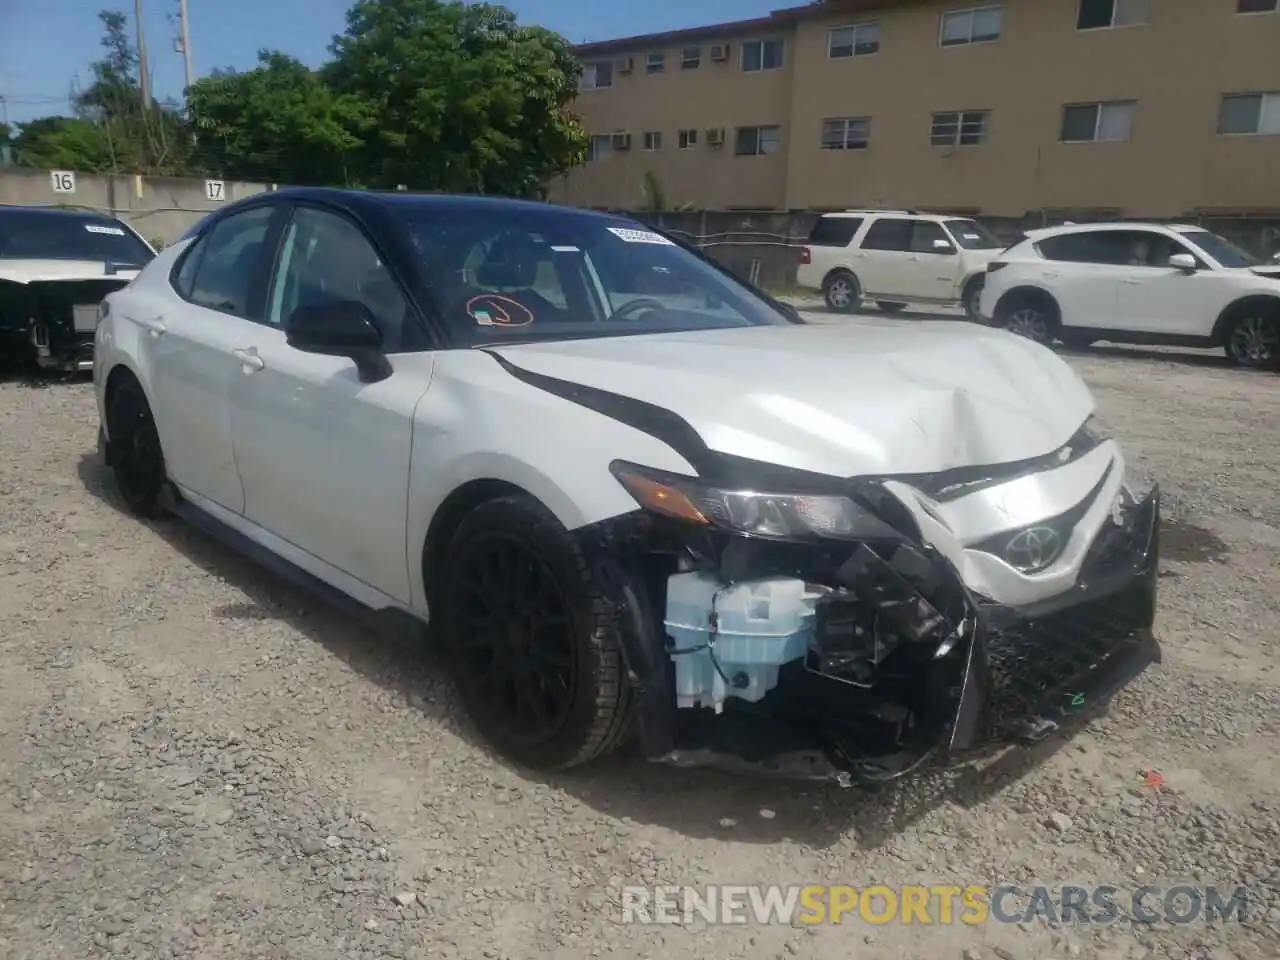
x=215, y=190
x=63, y=181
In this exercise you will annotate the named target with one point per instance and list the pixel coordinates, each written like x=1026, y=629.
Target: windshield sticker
x=640, y=236
x=492, y=310
x=566, y=250
x=109, y=231
x=970, y=236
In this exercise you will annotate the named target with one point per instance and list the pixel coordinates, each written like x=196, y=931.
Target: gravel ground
x=197, y=760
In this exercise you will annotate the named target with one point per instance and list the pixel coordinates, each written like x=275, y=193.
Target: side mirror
x=340, y=328
x=1184, y=262
x=943, y=246
x=1275, y=257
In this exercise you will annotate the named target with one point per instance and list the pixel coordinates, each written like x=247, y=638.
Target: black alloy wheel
x=137, y=460
x=534, y=647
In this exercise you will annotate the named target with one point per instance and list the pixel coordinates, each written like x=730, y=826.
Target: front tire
x=534, y=645
x=137, y=460
x=841, y=292
x=971, y=299
x=1253, y=341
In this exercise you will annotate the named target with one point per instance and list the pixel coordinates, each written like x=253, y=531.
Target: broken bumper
x=1032, y=670
x=1009, y=674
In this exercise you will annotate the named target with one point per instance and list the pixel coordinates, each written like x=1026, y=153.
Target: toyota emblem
x=1033, y=549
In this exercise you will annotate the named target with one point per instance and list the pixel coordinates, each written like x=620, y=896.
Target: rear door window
x=888, y=233
x=834, y=231
x=1096, y=246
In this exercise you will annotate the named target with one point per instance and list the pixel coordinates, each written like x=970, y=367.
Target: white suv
x=1146, y=283
x=896, y=258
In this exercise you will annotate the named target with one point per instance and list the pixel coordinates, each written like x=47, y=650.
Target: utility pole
x=185, y=41
x=144, y=77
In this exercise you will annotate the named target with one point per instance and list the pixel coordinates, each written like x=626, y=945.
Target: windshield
x=507, y=274
x=33, y=235
x=1221, y=249
x=972, y=235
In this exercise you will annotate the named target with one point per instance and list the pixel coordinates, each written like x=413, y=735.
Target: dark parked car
x=56, y=265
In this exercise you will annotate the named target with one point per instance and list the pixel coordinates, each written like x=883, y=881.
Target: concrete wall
x=159, y=208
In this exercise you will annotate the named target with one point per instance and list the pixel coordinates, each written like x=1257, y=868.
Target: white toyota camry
x=631, y=493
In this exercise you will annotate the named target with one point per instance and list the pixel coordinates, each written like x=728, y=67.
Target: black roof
x=448, y=202
x=68, y=213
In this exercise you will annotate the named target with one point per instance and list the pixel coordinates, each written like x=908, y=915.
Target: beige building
x=1160, y=108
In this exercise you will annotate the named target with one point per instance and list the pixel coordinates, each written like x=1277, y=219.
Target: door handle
x=249, y=358
x=154, y=324
x=1131, y=282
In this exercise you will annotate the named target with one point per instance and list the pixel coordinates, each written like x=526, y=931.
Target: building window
x=959, y=128
x=1250, y=113
x=1257, y=6
x=846, y=133
x=760, y=55
x=690, y=58
x=856, y=41
x=756, y=141
x=687, y=139
x=1100, y=122
x=653, y=140
x=599, y=147
x=596, y=75
x=655, y=62
x=975, y=25
x=1099, y=14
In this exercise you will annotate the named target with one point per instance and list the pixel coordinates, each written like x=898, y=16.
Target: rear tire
x=1253, y=339
x=890, y=306
x=1029, y=314
x=137, y=460
x=841, y=291
x=534, y=645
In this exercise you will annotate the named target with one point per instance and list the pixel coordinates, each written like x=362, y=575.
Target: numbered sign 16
x=63, y=181
x=215, y=190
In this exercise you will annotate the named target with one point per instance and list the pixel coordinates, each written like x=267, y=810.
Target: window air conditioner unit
x=622, y=141
x=625, y=64
x=720, y=51
x=715, y=136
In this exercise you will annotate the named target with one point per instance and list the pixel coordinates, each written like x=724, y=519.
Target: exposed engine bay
x=53, y=320
x=857, y=629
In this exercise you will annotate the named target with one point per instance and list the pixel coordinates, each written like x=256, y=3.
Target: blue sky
x=47, y=45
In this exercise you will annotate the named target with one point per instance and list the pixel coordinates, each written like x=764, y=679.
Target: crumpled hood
x=41, y=271
x=856, y=398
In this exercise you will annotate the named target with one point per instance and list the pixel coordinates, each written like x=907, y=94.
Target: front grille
x=1051, y=658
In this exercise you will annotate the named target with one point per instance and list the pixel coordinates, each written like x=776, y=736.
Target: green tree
x=64, y=143
x=461, y=96
x=278, y=123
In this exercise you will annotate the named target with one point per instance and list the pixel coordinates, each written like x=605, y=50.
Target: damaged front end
x=853, y=630
x=53, y=321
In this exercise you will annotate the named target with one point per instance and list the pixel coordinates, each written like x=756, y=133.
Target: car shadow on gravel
x=1191, y=358
x=692, y=802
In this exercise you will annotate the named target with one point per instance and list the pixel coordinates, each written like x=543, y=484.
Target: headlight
x=1093, y=431
x=777, y=516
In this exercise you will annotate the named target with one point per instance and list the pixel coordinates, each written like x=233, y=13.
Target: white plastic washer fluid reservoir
x=730, y=640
